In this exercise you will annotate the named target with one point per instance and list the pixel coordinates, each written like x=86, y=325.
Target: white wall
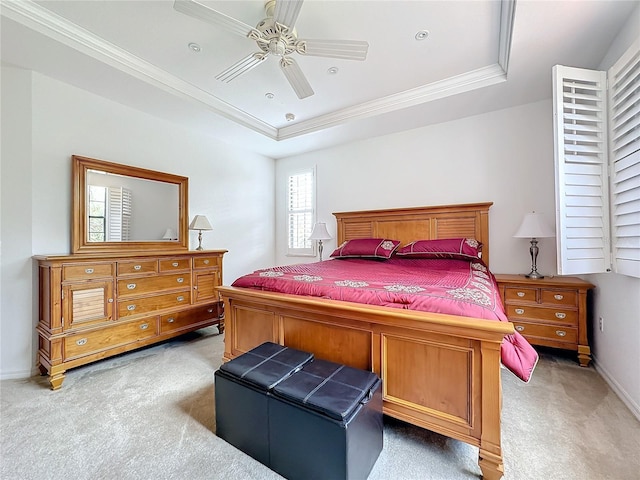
x=477, y=159
x=44, y=123
x=505, y=157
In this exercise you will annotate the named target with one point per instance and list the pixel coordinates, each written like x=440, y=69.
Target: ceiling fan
x=275, y=35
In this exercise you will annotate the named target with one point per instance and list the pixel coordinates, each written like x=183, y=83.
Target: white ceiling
x=480, y=55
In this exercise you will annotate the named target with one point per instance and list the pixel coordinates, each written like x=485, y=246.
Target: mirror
x=119, y=208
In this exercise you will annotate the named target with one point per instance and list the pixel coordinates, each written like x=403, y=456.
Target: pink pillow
x=458, y=248
x=366, y=247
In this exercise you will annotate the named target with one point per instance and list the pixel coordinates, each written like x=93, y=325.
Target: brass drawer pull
x=561, y=333
x=520, y=328
x=144, y=326
x=180, y=298
x=131, y=286
x=557, y=296
x=137, y=267
x=88, y=270
x=206, y=262
x=519, y=311
x=180, y=280
x=560, y=315
x=175, y=264
x=171, y=320
x=209, y=310
x=131, y=307
x=521, y=294
x=82, y=341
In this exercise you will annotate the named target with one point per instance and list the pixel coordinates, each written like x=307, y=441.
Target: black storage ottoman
x=325, y=422
x=242, y=386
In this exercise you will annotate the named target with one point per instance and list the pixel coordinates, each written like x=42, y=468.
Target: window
x=597, y=163
x=300, y=212
x=97, y=213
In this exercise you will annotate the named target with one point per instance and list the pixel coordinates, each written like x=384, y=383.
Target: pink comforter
x=455, y=287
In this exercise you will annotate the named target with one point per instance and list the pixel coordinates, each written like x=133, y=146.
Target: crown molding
x=41, y=20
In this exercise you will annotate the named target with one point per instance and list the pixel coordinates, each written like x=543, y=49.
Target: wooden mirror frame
x=79, y=242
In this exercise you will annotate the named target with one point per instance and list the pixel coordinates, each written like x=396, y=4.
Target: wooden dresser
x=550, y=311
x=93, y=306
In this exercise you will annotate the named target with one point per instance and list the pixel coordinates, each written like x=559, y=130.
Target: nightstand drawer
x=551, y=332
x=559, y=297
x=516, y=312
x=521, y=294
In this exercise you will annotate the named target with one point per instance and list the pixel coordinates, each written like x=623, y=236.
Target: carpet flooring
x=149, y=414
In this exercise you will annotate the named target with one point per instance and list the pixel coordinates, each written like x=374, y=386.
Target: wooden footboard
x=438, y=372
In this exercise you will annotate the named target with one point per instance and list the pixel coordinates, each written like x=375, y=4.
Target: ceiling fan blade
x=243, y=66
x=287, y=11
x=202, y=12
x=296, y=78
x=346, y=49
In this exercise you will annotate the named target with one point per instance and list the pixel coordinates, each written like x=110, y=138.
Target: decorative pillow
x=366, y=247
x=458, y=248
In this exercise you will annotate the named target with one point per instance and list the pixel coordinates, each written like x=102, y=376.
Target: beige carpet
x=150, y=415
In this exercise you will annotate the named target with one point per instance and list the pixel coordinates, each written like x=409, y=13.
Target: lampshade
x=200, y=222
x=170, y=234
x=534, y=226
x=320, y=232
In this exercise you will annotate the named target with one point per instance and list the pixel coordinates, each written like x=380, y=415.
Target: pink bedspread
x=455, y=287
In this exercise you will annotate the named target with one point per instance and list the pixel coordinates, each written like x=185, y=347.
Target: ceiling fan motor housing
x=275, y=38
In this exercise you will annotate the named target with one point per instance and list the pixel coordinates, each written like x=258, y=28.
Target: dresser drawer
x=549, y=332
x=175, y=264
x=153, y=303
x=184, y=319
x=95, y=341
x=137, y=286
x=206, y=262
x=521, y=294
x=87, y=271
x=137, y=266
x=564, y=316
x=559, y=297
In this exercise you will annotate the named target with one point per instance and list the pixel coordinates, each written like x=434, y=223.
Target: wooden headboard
x=418, y=223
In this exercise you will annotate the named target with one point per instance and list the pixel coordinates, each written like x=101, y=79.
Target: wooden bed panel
x=347, y=346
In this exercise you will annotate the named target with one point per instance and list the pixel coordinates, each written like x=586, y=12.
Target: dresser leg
x=491, y=466
x=584, y=355
x=221, y=326
x=56, y=380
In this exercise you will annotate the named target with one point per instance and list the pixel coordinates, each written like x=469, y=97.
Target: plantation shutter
x=581, y=167
x=300, y=212
x=624, y=139
x=119, y=214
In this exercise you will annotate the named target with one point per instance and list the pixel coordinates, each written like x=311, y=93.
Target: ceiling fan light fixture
x=194, y=47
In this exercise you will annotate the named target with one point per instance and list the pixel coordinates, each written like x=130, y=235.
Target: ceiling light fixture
x=422, y=34
x=332, y=70
x=290, y=117
x=194, y=47
x=269, y=95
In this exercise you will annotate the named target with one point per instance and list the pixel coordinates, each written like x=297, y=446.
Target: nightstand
x=550, y=311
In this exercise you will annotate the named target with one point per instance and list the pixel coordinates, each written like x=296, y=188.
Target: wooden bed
x=439, y=372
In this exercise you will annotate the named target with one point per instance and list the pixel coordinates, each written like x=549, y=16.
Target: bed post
x=490, y=456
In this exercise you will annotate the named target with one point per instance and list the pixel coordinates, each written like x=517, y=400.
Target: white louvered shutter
x=581, y=166
x=624, y=141
x=300, y=212
x=119, y=214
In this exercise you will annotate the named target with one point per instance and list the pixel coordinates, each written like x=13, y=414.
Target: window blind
x=624, y=134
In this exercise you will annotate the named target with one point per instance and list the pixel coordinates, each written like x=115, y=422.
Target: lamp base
x=533, y=275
